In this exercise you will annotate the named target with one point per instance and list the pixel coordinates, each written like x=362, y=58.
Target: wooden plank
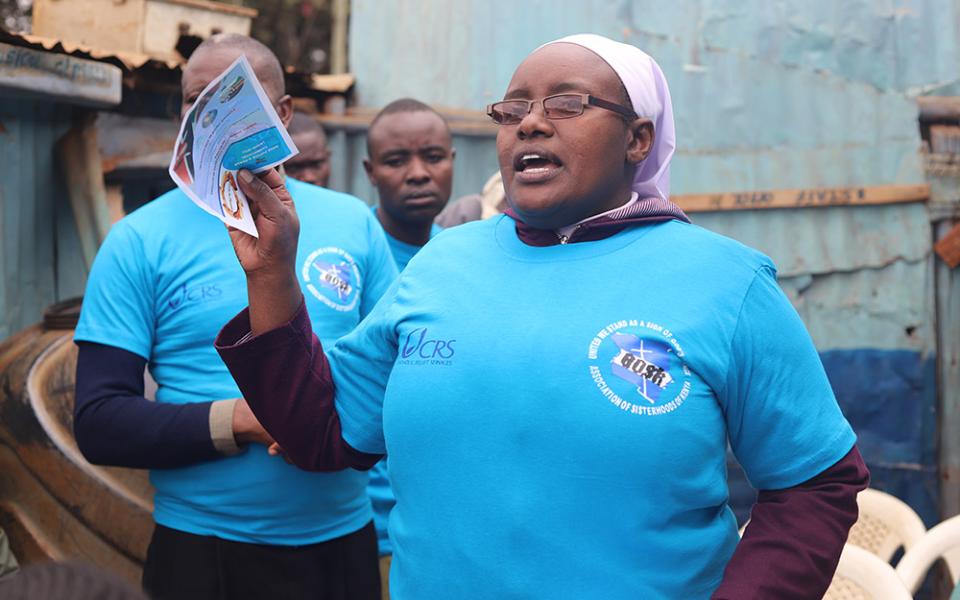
x=217, y=7
x=104, y=24
x=338, y=83
x=939, y=108
x=163, y=22
x=338, y=37
x=114, y=200
x=359, y=122
x=51, y=75
x=803, y=198
x=81, y=162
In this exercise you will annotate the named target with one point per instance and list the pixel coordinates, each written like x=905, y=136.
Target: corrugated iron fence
x=41, y=262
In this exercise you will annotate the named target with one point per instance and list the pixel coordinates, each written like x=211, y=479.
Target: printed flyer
x=231, y=126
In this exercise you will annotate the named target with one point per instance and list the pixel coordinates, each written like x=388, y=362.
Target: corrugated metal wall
x=767, y=94
x=40, y=262
x=945, y=211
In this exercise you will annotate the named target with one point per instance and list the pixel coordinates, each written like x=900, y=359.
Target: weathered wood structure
x=53, y=503
x=149, y=27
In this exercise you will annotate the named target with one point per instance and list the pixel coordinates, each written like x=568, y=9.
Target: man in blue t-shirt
x=410, y=162
x=312, y=165
x=231, y=520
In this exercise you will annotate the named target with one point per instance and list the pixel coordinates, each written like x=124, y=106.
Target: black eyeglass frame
x=585, y=100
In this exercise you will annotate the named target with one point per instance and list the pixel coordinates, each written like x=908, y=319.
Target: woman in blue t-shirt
x=557, y=387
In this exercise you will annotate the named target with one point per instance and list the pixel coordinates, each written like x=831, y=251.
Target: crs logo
x=332, y=276
x=420, y=348
x=183, y=295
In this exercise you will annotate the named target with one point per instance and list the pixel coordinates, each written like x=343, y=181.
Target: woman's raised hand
x=270, y=260
x=276, y=219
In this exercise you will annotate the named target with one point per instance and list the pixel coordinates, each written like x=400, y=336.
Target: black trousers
x=183, y=566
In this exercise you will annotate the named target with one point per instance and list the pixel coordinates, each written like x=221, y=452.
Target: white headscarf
x=650, y=96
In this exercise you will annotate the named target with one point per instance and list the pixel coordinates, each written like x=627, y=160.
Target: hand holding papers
x=269, y=261
x=231, y=126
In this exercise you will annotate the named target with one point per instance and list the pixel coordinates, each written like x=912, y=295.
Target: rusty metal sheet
x=29, y=72
x=126, y=142
x=756, y=106
x=128, y=60
x=884, y=308
x=818, y=241
x=39, y=247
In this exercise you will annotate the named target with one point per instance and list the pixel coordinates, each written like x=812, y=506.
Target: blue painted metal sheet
x=38, y=264
x=818, y=241
x=766, y=94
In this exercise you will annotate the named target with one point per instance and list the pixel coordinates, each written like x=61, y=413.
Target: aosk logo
x=331, y=275
x=638, y=366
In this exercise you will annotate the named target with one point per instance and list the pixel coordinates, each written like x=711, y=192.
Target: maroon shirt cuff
x=792, y=545
x=285, y=378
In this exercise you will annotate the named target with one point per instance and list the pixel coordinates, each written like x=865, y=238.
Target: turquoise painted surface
x=40, y=261
x=861, y=277
x=766, y=94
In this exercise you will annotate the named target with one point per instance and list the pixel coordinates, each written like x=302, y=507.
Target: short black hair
x=301, y=123
x=403, y=105
x=262, y=59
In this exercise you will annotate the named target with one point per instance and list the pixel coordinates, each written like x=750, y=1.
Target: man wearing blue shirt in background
x=312, y=165
x=231, y=520
x=410, y=162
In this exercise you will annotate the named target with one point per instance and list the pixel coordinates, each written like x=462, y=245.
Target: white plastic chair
x=942, y=541
x=862, y=575
x=886, y=523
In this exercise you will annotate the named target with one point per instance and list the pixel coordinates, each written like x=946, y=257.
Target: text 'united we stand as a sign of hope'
x=646, y=359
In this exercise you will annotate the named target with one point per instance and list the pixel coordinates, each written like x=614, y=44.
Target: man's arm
x=116, y=425
x=792, y=545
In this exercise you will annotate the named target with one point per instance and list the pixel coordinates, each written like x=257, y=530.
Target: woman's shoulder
x=465, y=234
x=455, y=246
x=709, y=249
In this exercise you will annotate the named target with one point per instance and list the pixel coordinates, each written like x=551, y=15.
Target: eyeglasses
x=558, y=106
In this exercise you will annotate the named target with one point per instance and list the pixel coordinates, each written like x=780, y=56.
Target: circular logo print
x=332, y=277
x=638, y=366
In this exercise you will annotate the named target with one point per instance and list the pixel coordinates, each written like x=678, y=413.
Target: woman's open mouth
x=536, y=166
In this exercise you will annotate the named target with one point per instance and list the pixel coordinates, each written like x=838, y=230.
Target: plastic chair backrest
x=862, y=575
x=885, y=524
x=942, y=541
